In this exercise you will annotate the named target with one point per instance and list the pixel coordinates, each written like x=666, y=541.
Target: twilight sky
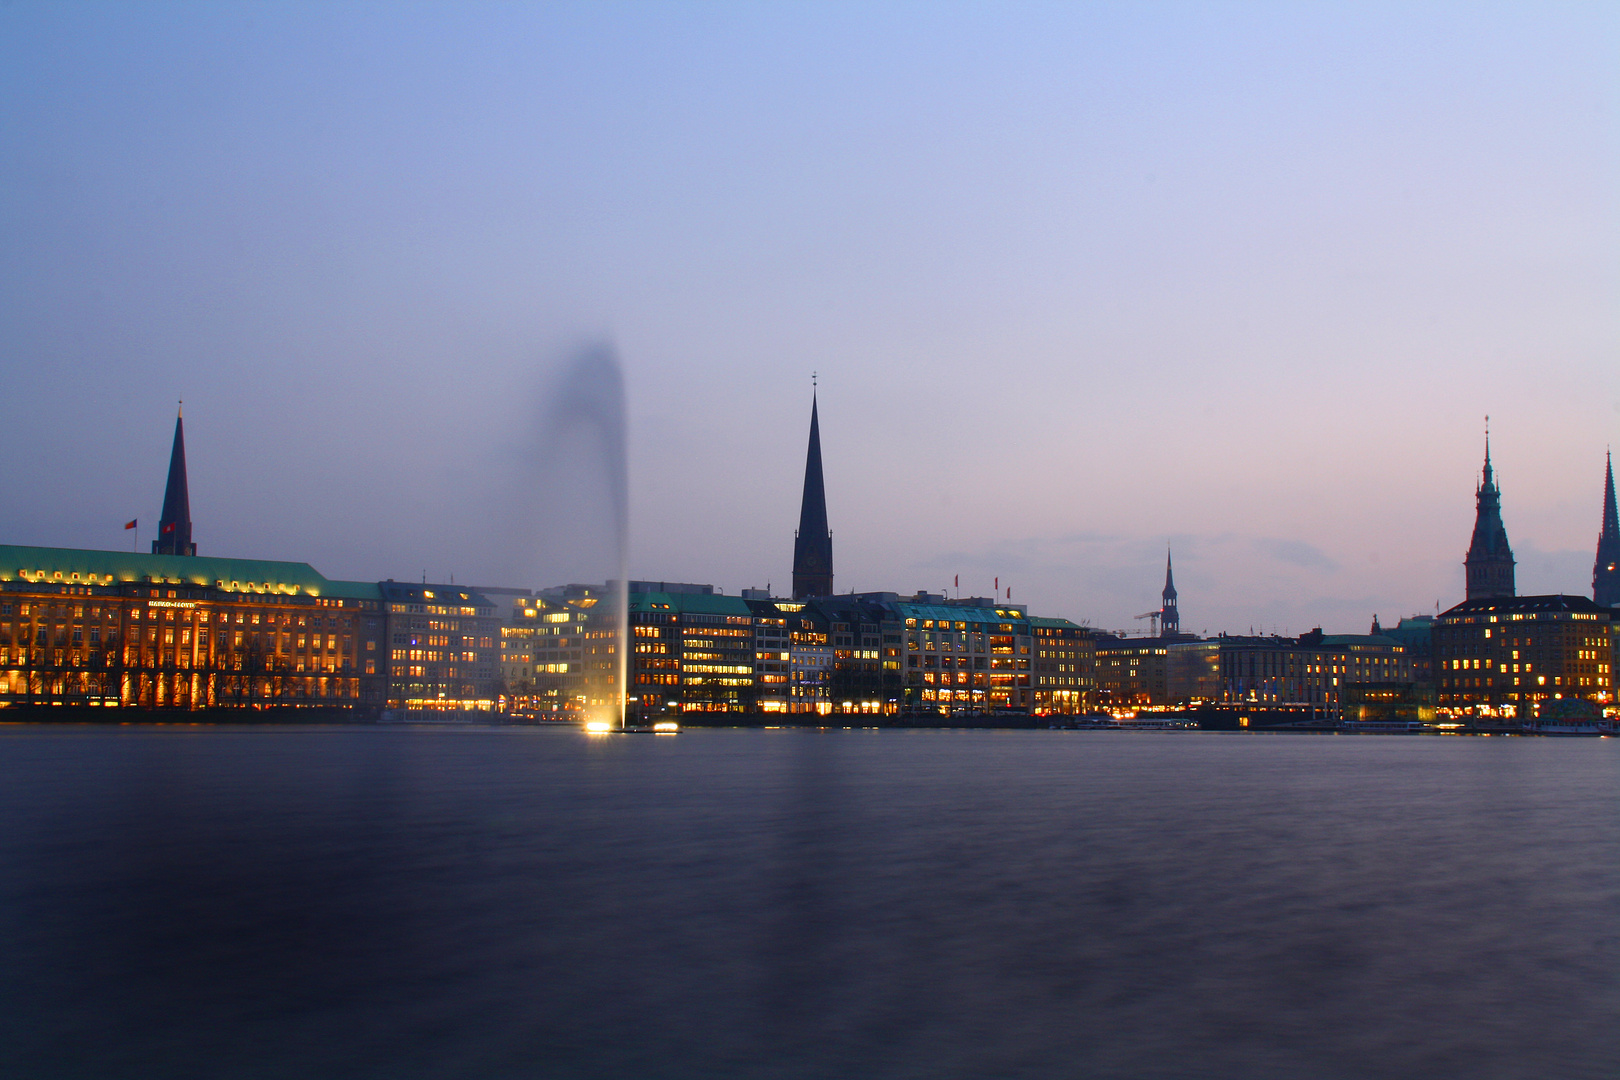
x=1080, y=280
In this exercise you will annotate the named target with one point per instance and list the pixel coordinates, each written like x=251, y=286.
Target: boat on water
x=1568, y=716
x=1385, y=727
x=1586, y=726
x=1156, y=723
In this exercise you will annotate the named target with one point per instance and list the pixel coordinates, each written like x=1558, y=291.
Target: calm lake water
x=415, y=902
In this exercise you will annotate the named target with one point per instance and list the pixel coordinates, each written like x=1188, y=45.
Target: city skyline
x=1079, y=283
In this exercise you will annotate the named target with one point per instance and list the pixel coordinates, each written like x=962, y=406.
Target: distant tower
x=1489, y=562
x=174, y=529
x=1606, y=571
x=812, y=544
x=1169, y=618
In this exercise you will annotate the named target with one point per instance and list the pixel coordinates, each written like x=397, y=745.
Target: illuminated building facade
x=1130, y=672
x=967, y=658
x=1499, y=659
x=1064, y=655
x=565, y=636
x=1192, y=672
x=1311, y=670
x=864, y=633
x=810, y=660
x=111, y=629
x=793, y=660
x=443, y=647
x=520, y=626
x=692, y=651
x=1416, y=636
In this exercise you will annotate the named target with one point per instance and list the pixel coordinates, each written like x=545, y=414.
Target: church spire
x=1606, y=571
x=1489, y=563
x=174, y=528
x=1169, y=617
x=812, y=544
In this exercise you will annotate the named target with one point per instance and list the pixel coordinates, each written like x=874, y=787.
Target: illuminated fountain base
x=608, y=727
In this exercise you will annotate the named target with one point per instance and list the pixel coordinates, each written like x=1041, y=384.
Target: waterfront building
x=1192, y=673
x=1388, y=703
x=793, y=655
x=107, y=628
x=1306, y=673
x=963, y=657
x=1489, y=563
x=1064, y=654
x=518, y=613
x=1415, y=635
x=1130, y=671
x=693, y=651
x=562, y=620
x=1501, y=658
x=773, y=655
x=864, y=631
x=1312, y=670
x=812, y=544
x=810, y=656
x=1606, y=568
x=443, y=647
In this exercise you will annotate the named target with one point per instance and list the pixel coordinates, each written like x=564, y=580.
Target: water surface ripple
x=411, y=902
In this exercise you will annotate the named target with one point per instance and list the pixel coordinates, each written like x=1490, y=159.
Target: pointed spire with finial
x=174, y=527
x=812, y=545
x=1169, y=614
x=1489, y=563
x=1606, y=570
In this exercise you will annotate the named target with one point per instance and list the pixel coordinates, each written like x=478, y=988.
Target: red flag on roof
x=958, y=581
x=130, y=524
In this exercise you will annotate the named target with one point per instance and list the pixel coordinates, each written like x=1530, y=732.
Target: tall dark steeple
x=174, y=529
x=1489, y=563
x=1169, y=617
x=1606, y=571
x=812, y=544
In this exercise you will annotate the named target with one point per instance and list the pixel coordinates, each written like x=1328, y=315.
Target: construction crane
x=1154, y=615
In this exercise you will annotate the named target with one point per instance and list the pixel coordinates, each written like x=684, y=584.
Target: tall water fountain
x=585, y=433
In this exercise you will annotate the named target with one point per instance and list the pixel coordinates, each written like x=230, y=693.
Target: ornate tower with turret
x=1169, y=617
x=812, y=544
x=1606, y=571
x=1489, y=563
x=174, y=528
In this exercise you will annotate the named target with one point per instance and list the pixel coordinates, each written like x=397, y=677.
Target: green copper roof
x=951, y=613
x=77, y=566
x=690, y=603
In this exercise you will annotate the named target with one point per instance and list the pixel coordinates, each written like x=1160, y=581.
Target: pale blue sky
x=1079, y=280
